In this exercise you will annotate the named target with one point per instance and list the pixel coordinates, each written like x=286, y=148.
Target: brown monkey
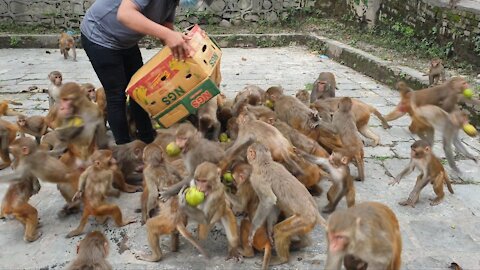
x=158, y=173
x=32, y=160
x=50, y=142
x=361, y=112
x=280, y=147
x=129, y=161
x=344, y=124
x=323, y=87
x=277, y=189
x=436, y=73
x=93, y=132
x=95, y=184
x=165, y=137
x=246, y=200
x=8, y=133
x=302, y=118
x=15, y=203
x=33, y=125
x=225, y=110
x=92, y=253
x=431, y=171
x=67, y=42
x=303, y=96
x=96, y=96
x=5, y=110
x=55, y=78
x=261, y=113
x=170, y=219
x=448, y=124
x=214, y=208
x=251, y=94
x=207, y=119
x=337, y=166
x=369, y=231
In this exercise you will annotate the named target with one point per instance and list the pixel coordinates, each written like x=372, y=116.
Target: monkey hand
x=394, y=181
x=164, y=195
x=77, y=196
x=234, y=254
x=181, y=197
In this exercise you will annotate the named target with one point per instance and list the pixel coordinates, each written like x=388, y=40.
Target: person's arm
x=129, y=15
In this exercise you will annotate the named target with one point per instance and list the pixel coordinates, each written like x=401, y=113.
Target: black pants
x=114, y=69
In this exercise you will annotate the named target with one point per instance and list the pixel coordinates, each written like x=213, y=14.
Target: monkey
x=158, y=173
x=301, y=117
x=56, y=79
x=251, y=94
x=96, y=96
x=323, y=87
x=369, y=231
x=261, y=113
x=50, y=142
x=361, y=112
x=214, y=207
x=304, y=96
x=276, y=188
x=165, y=137
x=95, y=184
x=93, y=132
x=170, y=219
x=207, y=119
x=67, y=42
x=92, y=253
x=246, y=200
x=337, y=166
x=5, y=110
x=436, y=73
x=431, y=171
x=34, y=125
x=282, y=150
x=435, y=118
x=32, y=160
x=129, y=160
x=232, y=128
x=225, y=110
x=8, y=133
x=15, y=203
x=344, y=123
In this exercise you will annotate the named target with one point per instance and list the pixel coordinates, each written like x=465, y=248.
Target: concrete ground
x=433, y=237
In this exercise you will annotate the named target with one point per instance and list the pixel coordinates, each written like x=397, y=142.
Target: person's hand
x=177, y=42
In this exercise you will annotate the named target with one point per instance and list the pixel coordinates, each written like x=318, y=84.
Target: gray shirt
x=100, y=24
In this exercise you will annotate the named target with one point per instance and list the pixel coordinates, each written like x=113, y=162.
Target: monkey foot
x=247, y=252
x=129, y=221
x=33, y=238
x=66, y=211
x=407, y=202
x=278, y=261
x=435, y=201
x=148, y=258
x=73, y=233
x=234, y=254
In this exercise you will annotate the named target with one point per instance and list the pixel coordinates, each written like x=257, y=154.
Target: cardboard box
x=170, y=90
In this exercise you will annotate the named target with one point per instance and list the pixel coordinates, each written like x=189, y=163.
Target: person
x=110, y=32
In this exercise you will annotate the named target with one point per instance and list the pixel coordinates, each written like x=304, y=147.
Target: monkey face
x=202, y=185
x=337, y=242
x=419, y=152
x=321, y=86
x=92, y=95
x=251, y=154
x=181, y=141
x=66, y=107
x=21, y=122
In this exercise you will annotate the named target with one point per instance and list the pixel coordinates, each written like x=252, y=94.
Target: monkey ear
x=271, y=121
x=137, y=151
x=219, y=171
x=344, y=160
x=427, y=149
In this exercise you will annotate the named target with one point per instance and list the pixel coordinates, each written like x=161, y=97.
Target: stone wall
x=68, y=13
x=455, y=26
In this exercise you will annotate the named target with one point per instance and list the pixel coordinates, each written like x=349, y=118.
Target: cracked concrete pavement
x=433, y=237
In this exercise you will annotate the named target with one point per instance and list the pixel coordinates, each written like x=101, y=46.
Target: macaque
x=261, y=113
x=5, y=110
x=96, y=96
x=278, y=190
x=165, y=137
x=436, y=73
x=33, y=125
x=207, y=119
x=8, y=133
x=170, y=219
x=301, y=117
x=303, y=96
x=342, y=186
x=66, y=43
x=225, y=110
x=92, y=253
x=129, y=160
x=93, y=132
x=344, y=124
x=50, y=142
x=15, y=203
x=214, y=208
x=280, y=147
x=251, y=94
x=157, y=174
x=32, y=160
x=361, y=112
x=55, y=78
x=448, y=124
x=369, y=231
x=431, y=171
x=323, y=87
x=95, y=184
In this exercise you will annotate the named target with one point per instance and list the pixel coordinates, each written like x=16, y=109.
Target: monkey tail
x=449, y=183
x=380, y=117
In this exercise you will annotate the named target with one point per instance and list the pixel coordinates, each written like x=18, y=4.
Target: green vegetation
x=14, y=41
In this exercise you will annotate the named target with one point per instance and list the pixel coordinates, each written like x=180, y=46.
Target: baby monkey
x=431, y=171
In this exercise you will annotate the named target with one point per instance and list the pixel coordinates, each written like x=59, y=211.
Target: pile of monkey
x=278, y=154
